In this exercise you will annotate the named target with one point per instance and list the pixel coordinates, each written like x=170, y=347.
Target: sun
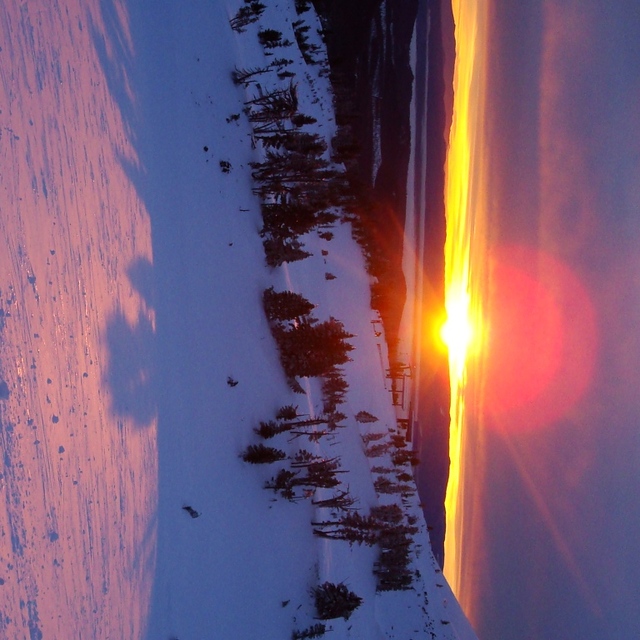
x=457, y=332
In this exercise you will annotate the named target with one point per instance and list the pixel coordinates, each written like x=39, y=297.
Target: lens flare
x=542, y=340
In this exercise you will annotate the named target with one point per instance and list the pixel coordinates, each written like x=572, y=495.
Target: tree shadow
x=143, y=366
x=141, y=276
x=114, y=47
x=131, y=371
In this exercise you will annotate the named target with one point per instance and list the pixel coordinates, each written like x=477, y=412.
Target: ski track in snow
x=130, y=289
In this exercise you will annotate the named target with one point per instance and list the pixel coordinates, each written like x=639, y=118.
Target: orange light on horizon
x=465, y=211
x=458, y=332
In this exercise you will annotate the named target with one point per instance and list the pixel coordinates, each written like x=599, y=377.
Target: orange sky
x=465, y=201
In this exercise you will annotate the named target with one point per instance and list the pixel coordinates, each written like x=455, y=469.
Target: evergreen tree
x=246, y=15
x=310, y=144
x=270, y=429
x=389, y=513
x=246, y=76
x=404, y=456
x=392, y=567
x=334, y=389
x=335, y=601
x=284, y=305
x=321, y=473
x=283, y=483
x=278, y=251
x=384, y=485
x=342, y=500
x=312, y=349
x=288, y=219
x=291, y=166
x=259, y=454
x=287, y=96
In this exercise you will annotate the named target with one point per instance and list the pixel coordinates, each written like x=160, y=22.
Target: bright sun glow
x=457, y=332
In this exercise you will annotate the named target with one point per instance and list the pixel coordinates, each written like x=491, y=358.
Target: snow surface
x=130, y=291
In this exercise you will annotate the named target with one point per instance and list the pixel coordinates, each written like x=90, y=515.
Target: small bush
x=295, y=386
x=334, y=418
x=302, y=6
x=381, y=469
x=364, y=417
x=270, y=38
x=314, y=631
x=398, y=441
x=372, y=437
x=287, y=412
x=377, y=450
x=281, y=62
x=304, y=458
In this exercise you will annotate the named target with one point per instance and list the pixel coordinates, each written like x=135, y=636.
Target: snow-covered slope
x=158, y=265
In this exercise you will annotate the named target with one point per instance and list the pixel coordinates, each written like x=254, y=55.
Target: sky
x=542, y=540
